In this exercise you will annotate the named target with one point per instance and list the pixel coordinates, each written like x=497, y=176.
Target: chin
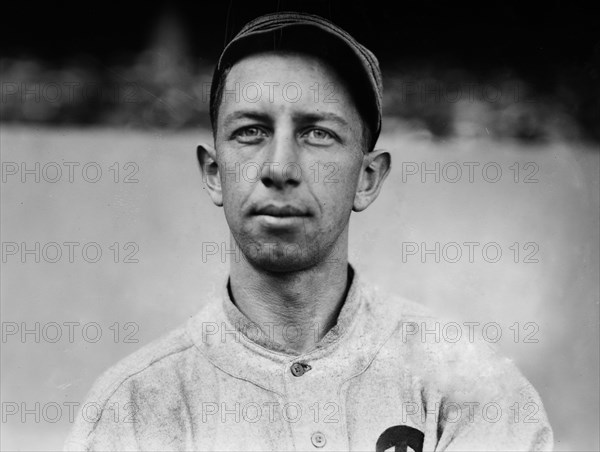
x=281, y=266
x=281, y=258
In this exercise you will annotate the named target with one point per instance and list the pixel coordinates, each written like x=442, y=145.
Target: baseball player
x=297, y=352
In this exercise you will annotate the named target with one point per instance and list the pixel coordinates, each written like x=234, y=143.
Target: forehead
x=284, y=63
x=287, y=81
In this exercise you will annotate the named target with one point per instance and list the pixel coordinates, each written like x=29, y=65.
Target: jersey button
x=297, y=370
x=318, y=439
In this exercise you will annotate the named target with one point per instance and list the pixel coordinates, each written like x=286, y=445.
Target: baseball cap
x=312, y=34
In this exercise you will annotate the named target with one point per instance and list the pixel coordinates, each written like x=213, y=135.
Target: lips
x=281, y=211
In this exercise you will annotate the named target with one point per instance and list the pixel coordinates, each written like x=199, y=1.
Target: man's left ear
x=375, y=168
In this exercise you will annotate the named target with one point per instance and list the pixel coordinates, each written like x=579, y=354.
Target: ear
x=375, y=168
x=207, y=158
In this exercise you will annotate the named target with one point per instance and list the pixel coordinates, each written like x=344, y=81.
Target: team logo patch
x=400, y=438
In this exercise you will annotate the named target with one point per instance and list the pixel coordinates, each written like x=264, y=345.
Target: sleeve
x=105, y=423
x=495, y=409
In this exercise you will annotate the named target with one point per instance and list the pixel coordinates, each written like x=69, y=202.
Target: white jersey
x=371, y=383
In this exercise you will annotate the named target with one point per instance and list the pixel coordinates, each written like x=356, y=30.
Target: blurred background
x=102, y=107
x=521, y=69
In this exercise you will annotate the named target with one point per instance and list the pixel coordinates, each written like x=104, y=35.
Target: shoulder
x=123, y=396
x=450, y=368
x=448, y=354
x=391, y=307
x=147, y=362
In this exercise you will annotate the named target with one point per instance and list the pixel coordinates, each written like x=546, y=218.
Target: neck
x=295, y=309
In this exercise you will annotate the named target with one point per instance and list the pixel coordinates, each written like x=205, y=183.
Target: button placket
x=314, y=393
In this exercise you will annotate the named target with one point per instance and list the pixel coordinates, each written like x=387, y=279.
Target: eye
x=249, y=134
x=319, y=137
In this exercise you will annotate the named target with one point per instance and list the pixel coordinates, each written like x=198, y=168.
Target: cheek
x=232, y=191
x=231, y=177
x=337, y=188
x=234, y=194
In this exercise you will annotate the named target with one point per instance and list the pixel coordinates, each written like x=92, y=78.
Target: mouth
x=283, y=211
x=281, y=216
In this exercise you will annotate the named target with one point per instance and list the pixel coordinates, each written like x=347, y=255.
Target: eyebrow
x=322, y=116
x=300, y=117
x=244, y=114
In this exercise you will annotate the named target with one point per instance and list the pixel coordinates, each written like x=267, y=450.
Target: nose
x=281, y=168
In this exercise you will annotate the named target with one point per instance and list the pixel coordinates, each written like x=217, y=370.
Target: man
x=299, y=353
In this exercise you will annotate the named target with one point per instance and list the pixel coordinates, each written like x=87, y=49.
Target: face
x=289, y=152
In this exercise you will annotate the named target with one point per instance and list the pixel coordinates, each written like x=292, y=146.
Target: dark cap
x=314, y=35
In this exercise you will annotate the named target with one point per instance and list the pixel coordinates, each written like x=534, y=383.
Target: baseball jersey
x=374, y=382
